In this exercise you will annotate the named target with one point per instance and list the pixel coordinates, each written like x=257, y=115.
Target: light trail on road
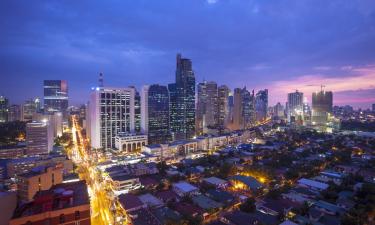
x=105, y=208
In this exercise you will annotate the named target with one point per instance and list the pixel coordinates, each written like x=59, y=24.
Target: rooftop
x=215, y=180
x=185, y=186
x=65, y=195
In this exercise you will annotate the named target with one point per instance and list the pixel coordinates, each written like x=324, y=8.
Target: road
x=105, y=208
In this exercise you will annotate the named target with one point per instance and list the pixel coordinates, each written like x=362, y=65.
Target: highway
x=105, y=208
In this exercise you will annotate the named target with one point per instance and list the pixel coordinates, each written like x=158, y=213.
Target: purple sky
x=279, y=45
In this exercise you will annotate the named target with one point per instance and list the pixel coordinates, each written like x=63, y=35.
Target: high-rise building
x=223, y=105
x=55, y=96
x=137, y=111
x=279, y=111
x=237, y=109
x=14, y=113
x=248, y=108
x=261, y=105
x=373, y=107
x=322, y=104
x=182, y=100
x=4, y=104
x=295, y=106
x=29, y=108
x=155, y=113
x=207, y=106
x=200, y=117
x=39, y=138
x=111, y=111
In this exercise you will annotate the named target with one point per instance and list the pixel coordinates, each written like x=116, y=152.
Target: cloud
x=345, y=88
x=211, y=2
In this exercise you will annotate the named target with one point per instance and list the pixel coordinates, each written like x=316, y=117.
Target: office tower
x=54, y=120
x=207, y=106
x=248, y=108
x=4, y=104
x=306, y=112
x=111, y=111
x=182, y=98
x=237, y=109
x=229, y=120
x=201, y=107
x=29, y=108
x=155, y=113
x=279, y=111
x=14, y=113
x=137, y=111
x=212, y=113
x=295, y=107
x=38, y=179
x=322, y=102
x=223, y=105
x=39, y=138
x=373, y=107
x=55, y=96
x=261, y=105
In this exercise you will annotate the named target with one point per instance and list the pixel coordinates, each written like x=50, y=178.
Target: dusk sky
x=282, y=45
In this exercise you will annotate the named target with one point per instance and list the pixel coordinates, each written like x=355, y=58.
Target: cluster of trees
x=10, y=131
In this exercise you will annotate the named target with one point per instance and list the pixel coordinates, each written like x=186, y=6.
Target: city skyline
x=236, y=43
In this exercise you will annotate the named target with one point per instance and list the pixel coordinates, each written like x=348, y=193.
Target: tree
x=248, y=206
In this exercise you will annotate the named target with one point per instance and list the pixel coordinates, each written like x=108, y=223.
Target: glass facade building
x=55, y=96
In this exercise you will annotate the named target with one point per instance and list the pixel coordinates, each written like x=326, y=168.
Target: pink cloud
x=348, y=89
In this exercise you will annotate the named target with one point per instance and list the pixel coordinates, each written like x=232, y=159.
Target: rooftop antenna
x=101, y=81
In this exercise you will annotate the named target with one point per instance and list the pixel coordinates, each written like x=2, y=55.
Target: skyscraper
x=155, y=113
x=237, y=109
x=207, y=106
x=182, y=97
x=295, y=106
x=14, y=113
x=373, y=107
x=29, y=108
x=248, y=108
x=223, y=105
x=201, y=107
x=261, y=105
x=322, y=102
x=4, y=104
x=39, y=138
x=55, y=96
x=111, y=111
x=137, y=111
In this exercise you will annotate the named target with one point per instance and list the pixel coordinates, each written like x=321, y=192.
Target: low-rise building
x=62, y=204
x=183, y=188
x=38, y=179
x=130, y=142
x=312, y=184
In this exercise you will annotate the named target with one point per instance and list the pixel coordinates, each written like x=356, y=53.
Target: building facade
x=4, y=104
x=261, y=105
x=182, y=100
x=55, y=96
x=295, y=107
x=14, y=113
x=111, y=111
x=322, y=104
x=130, y=142
x=223, y=105
x=39, y=138
x=156, y=113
